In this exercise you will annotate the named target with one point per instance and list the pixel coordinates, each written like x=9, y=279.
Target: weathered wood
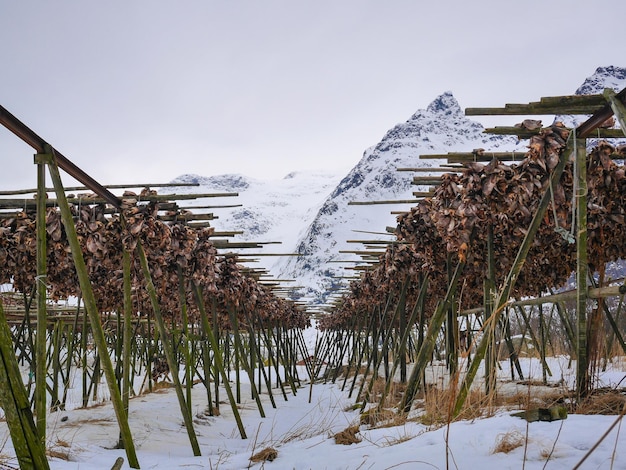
x=92, y=310
x=167, y=349
x=572, y=104
x=582, y=267
x=448, y=169
x=40, y=351
x=28, y=447
x=460, y=157
x=524, y=133
x=107, y=186
x=218, y=361
x=426, y=350
x=373, y=203
x=509, y=283
x=619, y=110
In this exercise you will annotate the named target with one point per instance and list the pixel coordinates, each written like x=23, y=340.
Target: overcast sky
x=138, y=91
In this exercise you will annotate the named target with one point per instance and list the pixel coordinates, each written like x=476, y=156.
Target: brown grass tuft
x=58, y=454
x=438, y=404
x=396, y=391
x=347, y=436
x=376, y=418
x=508, y=442
x=602, y=402
x=266, y=454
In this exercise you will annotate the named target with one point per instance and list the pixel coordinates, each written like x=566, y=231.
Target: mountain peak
x=604, y=77
x=445, y=103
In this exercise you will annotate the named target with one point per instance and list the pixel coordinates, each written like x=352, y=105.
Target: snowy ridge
x=309, y=212
x=271, y=210
x=441, y=127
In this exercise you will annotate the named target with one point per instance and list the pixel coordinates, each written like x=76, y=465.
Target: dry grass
x=602, y=402
x=376, y=418
x=508, y=442
x=78, y=423
x=396, y=391
x=437, y=405
x=347, y=436
x=525, y=400
x=392, y=441
x=61, y=454
x=267, y=454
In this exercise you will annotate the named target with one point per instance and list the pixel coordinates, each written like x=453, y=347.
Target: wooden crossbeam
x=522, y=133
x=570, y=104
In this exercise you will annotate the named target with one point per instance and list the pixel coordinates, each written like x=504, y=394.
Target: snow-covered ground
x=301, y=430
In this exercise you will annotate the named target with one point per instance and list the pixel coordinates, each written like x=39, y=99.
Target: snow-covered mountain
x=267, y=211
x=309, y=213
x=442, y=127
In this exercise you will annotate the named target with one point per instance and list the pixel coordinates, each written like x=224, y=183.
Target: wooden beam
x=571, y=104
x=372, y=203
x=526, y=134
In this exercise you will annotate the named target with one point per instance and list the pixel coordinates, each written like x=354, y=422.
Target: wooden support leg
x=92, y=309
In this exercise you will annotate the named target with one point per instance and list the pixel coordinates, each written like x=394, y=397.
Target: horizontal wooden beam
x=571, y=104
x=522, y=133
x=107, y=186
x=372, y=203
x=431, y=169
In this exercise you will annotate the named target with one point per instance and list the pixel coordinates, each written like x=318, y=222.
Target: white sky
x=144, y=90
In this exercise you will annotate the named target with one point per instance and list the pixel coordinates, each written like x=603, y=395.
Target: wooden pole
x=29, y=449
x=234, y=323
x=582, y=268
x=404, y=339
x=218, y=360
x=185, y=339
x=127, y=374
x=428, y=345
x=511, y=278
x=167, y=349
x=91, y=307
x=40, y=354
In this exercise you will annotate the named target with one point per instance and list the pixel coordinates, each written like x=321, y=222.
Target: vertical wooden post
x=489, y=293
x=127, y=374
x=428, y=345
x=185, y=339
x=582, y=267
x=29, y=450
x=234, y=323
x=40, y=354
x=509, y=282
x=167, y=349
x=618, y=108
x=217, y=358
x=451, y=328
x=91, y=308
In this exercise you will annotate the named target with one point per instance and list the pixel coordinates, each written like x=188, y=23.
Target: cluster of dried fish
x=176, y=254
x=399, y=265
x=501, y=200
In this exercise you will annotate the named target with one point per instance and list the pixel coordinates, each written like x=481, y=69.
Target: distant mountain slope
x=441, y=127
x=271, y=210
x=309, y=212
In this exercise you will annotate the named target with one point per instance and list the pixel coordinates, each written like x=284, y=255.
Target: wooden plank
x=526, y=134
x=107, y=186
x=571, y=104
x=372, y=203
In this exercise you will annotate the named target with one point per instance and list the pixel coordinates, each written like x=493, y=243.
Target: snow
x=301, y=430
x=272, y=211
x=310, y=209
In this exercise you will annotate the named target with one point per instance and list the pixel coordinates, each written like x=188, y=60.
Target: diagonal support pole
x=91, y=308
x=510, y=280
